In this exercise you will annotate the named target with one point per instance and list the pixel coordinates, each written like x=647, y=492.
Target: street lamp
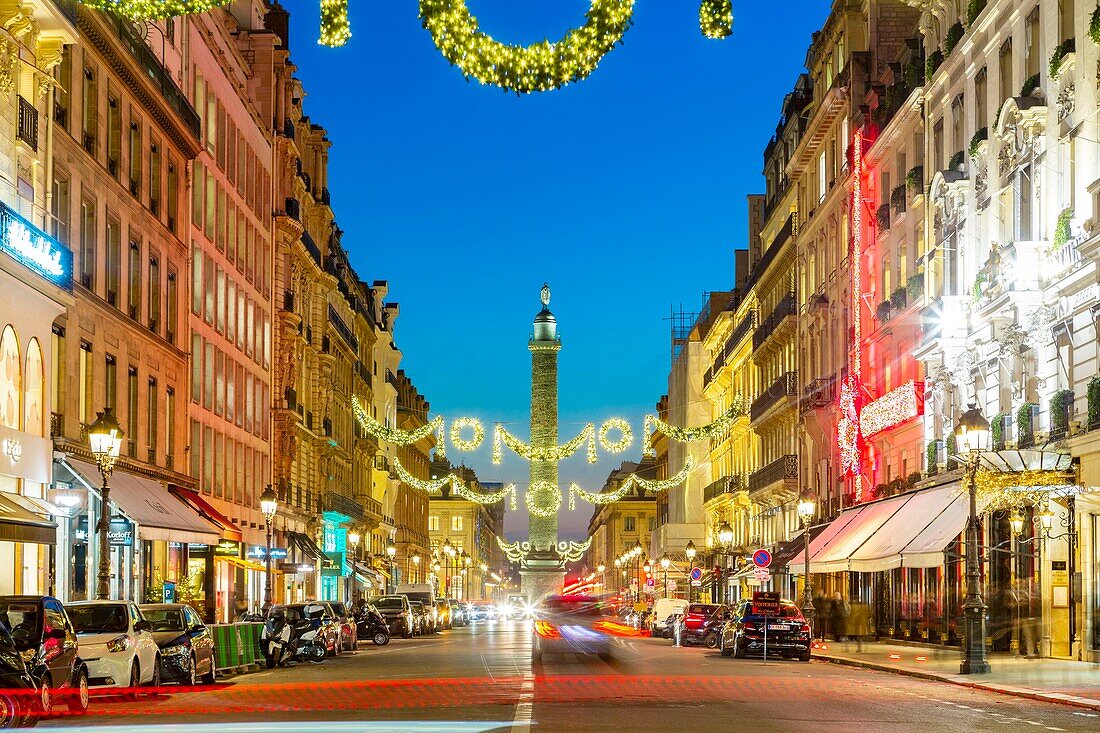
x=391, y=553
x=105, y=441
x=618, y=564
x=466, y=561
x=665, y=562
x=416, y=566
x=353, y=540
x=972, y=435
x=725, y=538
x=690, y=551
x=807, y=506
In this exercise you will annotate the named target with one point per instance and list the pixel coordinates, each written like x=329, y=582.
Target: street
x=481, y=678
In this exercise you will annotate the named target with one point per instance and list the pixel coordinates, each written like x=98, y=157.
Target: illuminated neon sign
x=34, y=249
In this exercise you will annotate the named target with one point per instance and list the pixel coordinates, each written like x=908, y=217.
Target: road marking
x=522, y=722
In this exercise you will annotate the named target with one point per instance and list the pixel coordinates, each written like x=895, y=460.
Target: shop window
x=11, y=382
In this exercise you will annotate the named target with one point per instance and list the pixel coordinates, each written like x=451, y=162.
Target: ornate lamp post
x=449, y=553
x=466, y=561
x=972, y=436
x=105, y=440
x=269, y=507
x=665, y=562
x=807, y=506
x=690, y=551
x=391, y=553
x=435, y=568
x=416, y=566
x=725, y=539
x=353, y=540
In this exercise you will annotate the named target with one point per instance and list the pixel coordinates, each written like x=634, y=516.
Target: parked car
x=569, y=625
x=788, y=633
x=186, y=644
x=397, y=612
x=19, y=701
x=422, y=618
x=117, y=643
x=43, y=633
x=663, y=609
x=348, y=641
x=702, y=623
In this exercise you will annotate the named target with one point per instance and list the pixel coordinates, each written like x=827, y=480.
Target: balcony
x=732, y=342
x=364, y=373
x=785, y=308
x=333, y=502
x=723, y=486
x=1061, y=261
x=770, y=253
x=780, y=390
x=28, y=123
x=311, y=247
x=781, y=469
x=819, y=393
x=342, y=329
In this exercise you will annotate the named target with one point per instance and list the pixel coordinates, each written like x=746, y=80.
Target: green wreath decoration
x=539, y=67
x=716, y=18
x=543, y=499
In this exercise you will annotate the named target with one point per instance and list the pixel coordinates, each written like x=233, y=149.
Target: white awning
x=834, y=557
x=819, y=543
x=158, y=514
x=927, y=548
x=884, y=549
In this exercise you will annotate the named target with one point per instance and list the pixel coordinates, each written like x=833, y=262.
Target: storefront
x=155, y=539
x=303, y=572
x=336, y=571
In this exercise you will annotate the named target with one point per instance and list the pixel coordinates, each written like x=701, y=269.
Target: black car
x=18, y=692
x=788, y=634
x=397, y=612
x=41, y=630
x=186, y=644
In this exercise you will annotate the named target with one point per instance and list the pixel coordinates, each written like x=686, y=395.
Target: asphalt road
x=482, y=679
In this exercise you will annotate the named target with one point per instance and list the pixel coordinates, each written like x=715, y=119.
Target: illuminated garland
x=551, y=453
x=893, y=408
x=154, y=9
x=524, y=69
x=849, y=439
x=714, y=429
x=335, y=30
x=514, y=551
x=436, y=485
x=573, y=551
x=1002, y=490
x=392, y=435
x=716, y=18
x=456, y=433
x=626, y=435
x=595, y=497
x=543, y=499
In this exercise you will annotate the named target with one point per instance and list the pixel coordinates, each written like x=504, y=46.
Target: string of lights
x=652, y=424
x=596, y=497
x=543, y=499
x=335, y=30
x=549, y=453
x=539, y=67
x=456, y=433
x=626, y=435
x=716, y=18
x=459, y=489
x=392, y=435
x=1004, y=490
x=154, y=9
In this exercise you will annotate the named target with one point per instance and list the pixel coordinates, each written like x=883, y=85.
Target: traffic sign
x=696, y=584
x=649, y=582
x=761, y=558
x=762, y=574
x=765, y=603
x=696, y=574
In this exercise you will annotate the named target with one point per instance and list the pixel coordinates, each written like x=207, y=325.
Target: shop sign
x=293, y=567
x=34, y=249
x=25, y=456
x=259, y=552
x=120, y=532
x=227, y=548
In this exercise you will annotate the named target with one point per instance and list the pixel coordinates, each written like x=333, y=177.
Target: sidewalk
x=1052, y=680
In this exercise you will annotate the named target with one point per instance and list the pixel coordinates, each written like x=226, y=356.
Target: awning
x=885, y=549
x=794, y=548
x=308, y=547
x=911, y=530
x=242, y=563
x=195, y=500
x=832, y=529
x=159, y=515
x=19, y=522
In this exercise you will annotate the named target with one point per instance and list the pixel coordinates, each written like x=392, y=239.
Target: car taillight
x=750, y=626
x=119, y=644
x=547, y=630
x=805, y=628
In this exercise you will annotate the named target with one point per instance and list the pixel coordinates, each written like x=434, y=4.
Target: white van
x=662, y=609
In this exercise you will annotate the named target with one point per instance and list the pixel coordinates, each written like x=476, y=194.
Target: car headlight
x=119, y=644
x=174, y=651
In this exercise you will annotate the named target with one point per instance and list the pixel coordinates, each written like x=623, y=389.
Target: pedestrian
x=838, y=616
x=821, y=614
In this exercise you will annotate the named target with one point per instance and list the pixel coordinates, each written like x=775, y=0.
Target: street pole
x=105, y=440
x=807, y=506
x=973, y=432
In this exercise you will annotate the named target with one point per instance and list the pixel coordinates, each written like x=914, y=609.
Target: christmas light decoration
x=459, y=489
x=849, y=439
x=335, y=30
x=893, y=408
x=524, y=69
x=440, y=442
x=1007, y=490
x=514, y=551
x=392, y=435
x=456, y=433
x=716, y=18
x=543, y=499
x=626, y=435
x=595, y=497
x=154, y=9
x=553, y=453
x=687, y=435
x=573, y=551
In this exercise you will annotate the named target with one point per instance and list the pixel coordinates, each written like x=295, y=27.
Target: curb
x=1054, y=697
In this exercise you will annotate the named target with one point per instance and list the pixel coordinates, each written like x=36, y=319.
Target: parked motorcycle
x=291, y=633
x=369, y=624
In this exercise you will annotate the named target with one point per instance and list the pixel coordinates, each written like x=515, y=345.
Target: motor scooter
x=369, y=624
x=275, y=638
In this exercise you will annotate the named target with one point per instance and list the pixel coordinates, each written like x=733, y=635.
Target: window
x=628, y=523
x=1065, y=20
x=134, y=277
x=822, y=174
x=196, y=452
x=196, y=280
x=114, y=135
x=196, y=195
x=154, y=294
x=937, y=145
x=60, y=208
x=433, y=523
x=173, y=196
x=87, y=243
x=63, y=73
x=153, y=414
x=170, y=321
x=114, y=261
x=196, y=367
x=135, y=157
x=110, y=379
x=90, y=125
x=57, y=389
x=169, y=425
x=1032, y=44
x=1004, y=69
x=132, y=408
x=154, y=179
x=86, y=412
x=456, y=523
x=981, y=109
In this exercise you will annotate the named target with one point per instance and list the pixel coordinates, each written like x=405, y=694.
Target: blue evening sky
x=626, y=192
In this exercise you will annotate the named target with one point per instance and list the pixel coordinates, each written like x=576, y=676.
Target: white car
x=116, y=643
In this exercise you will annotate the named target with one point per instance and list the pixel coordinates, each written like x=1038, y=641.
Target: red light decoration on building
x=849, y=439
x=893, y=408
